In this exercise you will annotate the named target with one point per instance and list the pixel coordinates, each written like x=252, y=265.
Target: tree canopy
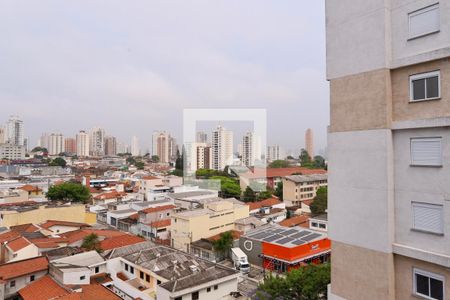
x=306, y=283
x=228, y=187
x=279, y=190
x=69, y=191
x=91, y=242
x=320, y=203
x=249, y=195
x=155, y=158
x=139, y=165
x=279, y=164
x=58, y=162
x=39, y=149
x=224, y=243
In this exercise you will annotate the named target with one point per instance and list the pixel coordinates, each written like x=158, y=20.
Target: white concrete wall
x=406, y=51
x=360, y=184
x=21, y=282
x=358, y=36
x=75, y=277
x=63, y=229
x=24, y=253
x=421, y=184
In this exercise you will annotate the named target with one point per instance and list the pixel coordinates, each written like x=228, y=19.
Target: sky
x=131, y=67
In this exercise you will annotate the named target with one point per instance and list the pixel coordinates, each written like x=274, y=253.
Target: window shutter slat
x=426, y=151
x=427, y=217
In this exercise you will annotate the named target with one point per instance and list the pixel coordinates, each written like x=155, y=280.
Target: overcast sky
x=131, y=67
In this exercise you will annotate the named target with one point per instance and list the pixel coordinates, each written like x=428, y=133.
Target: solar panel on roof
x=291, y=231
x=298, y=242
x=300, y=234
x=279, y=230
x=284, y=241
x=310, y=237
x=260, y=235
x=273, y=238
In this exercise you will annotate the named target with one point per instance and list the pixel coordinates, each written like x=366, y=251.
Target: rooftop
x=191, y=194
x=158, y=208
x=307, y=178
x=322, y=217
x=295, y=221
x=120, y=241
x=23, y=267
x=18, y=244
x=281, y=172
x=43, y=289
x=85, y=259
x=249, y=221
x=264, y=203
x=51, y=223
x=286, y=237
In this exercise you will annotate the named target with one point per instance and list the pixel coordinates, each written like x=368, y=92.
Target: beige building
x=298, y=188
x=217, y=217
x=389, y=148
x=309, y=142
x=83, y=141
x=11, y=216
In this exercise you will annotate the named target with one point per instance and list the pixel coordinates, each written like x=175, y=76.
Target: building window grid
x=428, y=285
x=425, y=81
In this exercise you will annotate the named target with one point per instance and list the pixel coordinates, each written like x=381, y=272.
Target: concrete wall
x=358, y=273
x=358, y=36
x=360, y=189
x=255, y=250
x=422, y=184
x=404, y=276
x=73, y=213
x=29, y=251
x=21, y=282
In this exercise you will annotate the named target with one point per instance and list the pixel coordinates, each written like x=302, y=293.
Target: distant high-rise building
x=43, y=141
x=221, y=148
x=11, y=151
x=122, y=148
x=70, y=145
x=196, y=156
x=251, y=149
x=14, y=131
x=2, y=135
x=135, y=151
x=82, y=139
x=110, y=146
x=274, y=153
x=55, y=144
x=309, y=142
x=97, y=141
x=25, y=144
x=201, y=137
x=204, y=156
x=163, y=146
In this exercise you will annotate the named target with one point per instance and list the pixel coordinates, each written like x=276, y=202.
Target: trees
x=265, y=194
x=228, y=187
x=155, y=158
x=306, y=283
x=224, y=243
x=58, y=162
x=319, y=162
x=305, y=159
x=320, y=203
x=279, y=190
x=91, y=242
x=139, y=165
x=279, y=164
x=249, y=195
x=69, y=191
x=39, y=149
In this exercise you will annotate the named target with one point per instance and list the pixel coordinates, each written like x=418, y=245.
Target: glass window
x=428, y=285
x=425, y=86
x=195, y=295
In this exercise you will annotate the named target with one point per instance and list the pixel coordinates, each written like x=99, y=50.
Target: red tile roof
x=296, y=221
x=268, y=202
x=120, y=241
x=92, y=292
x=235, y=233
x=30, y=188
x=23, y=267
x=7, y=236
x=47, y=243
x=110, y=195
x=25, y=228
x=18, y=244
x=122, y=276
x=78, y=235
x=43, y=289
x=281, y=172
x=51, y=223
x=158, y=208
x=161, y=223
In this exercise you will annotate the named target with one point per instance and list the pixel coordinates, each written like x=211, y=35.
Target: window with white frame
x=428, y=217
x=428, y=285
x=425, y=86
x=426, y=151
x=424, y=21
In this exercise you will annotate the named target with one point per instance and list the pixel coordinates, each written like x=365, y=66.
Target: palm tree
x=224, y=244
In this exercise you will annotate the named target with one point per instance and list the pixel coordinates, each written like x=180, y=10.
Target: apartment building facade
x=298, y=188
x=389, y=141
x=217, y=217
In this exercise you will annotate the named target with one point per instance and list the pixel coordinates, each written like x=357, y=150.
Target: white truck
x=240, y=260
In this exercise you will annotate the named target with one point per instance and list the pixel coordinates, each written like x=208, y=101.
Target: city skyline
x=104, y=73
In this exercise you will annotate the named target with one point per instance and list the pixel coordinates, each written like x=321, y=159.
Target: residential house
x=297, y=220
x=246, y=224
x=204, y=248
x=57, y=226
x=16, y=275
x=319, y=223
x=18, y=249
